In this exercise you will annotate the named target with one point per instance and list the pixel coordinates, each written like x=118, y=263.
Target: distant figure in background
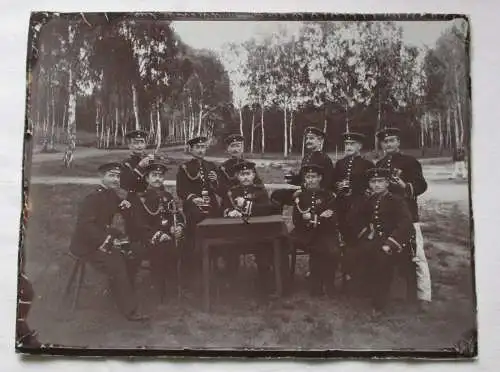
x=408, y=181
x=235, y=148
x=316, y=229
x=314, y=141
x=459, y=167
x=95, y=241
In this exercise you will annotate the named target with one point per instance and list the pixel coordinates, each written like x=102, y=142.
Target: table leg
x=277, y=267
x=206, y=276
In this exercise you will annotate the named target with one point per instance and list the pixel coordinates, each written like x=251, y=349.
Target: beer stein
x=205, y=207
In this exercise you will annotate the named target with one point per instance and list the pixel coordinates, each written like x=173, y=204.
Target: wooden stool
x=78, y=274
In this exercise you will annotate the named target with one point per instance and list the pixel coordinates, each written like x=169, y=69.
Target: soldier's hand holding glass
x=164, y=237
x=177, y=231
x=326, y=214
x=125, y=204
x=240, y=201
x=145, y=162
x=198, y=201
x=234, y=213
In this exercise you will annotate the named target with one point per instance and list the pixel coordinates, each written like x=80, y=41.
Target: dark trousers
x=164, y=258
x=120, y=272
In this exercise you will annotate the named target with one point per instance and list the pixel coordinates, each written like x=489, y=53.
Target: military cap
x=196, y=140
x=233, y=138
x=136, y=134
x=378, y=172
x=113, y=166
x=155, y=166
x=353, y=136
x=388, y=132
x=307, y=168
x=244, y=165
x=315, y=131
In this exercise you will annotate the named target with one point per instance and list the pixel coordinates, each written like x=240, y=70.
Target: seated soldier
x=158, y=227
x=316, y=229
x=98, y=243
x=385, y=232
x=243, y=201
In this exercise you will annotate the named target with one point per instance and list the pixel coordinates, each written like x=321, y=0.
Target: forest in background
x=103, y=74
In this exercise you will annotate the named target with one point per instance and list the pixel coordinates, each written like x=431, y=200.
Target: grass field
x=238, y=319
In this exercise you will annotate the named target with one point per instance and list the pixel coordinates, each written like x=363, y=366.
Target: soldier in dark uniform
x=197, y=188
x=385, y=232
x=243, y=201
x=235, y=148
x=158, y=227
x=316, y=229
x=408, y=181
x=98, y=243
x=350, y=184
x=132, y=177
x=313, y=140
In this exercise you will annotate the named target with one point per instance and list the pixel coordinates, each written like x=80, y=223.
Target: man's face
x=313, y=142
x=246, y=177
x=352, y=147
x=155, y=179
x=379, y=185
x=111, y=179
x=137, y=145
x=235, y=149
x=199, y=150
x=391, y=144
x=312, y=180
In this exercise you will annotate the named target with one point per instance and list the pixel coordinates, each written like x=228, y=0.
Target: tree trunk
x=457, y=127
x=448, y=127
x=117, y=120
x=136, y=107
x=63, y=124
x=263, y=134
x=184, y=125
x=422, y=136
x=459, y=107
x=378, y=124
x=290, y=133
x=285, y=134
x=53, y=122
x=108, y=136
x=252, y=135
x=241, y=120
x=440, y=129
x=71, y=115
x=98, y=144
x=101, y=138
x=200, y=117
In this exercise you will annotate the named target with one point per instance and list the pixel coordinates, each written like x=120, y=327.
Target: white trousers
x=459, y=168
x=424, y=290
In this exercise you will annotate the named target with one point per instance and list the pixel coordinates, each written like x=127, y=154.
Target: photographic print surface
x=253, y=183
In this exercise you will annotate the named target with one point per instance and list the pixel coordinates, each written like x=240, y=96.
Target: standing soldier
x=316, y=229
x=384, y=228
x=132, y=178
x=235, y=149
x=97, y=242
x=197, y=187
x=314, y=141
x=244, y=200
x=350, y=184
x=408, y=181
x=158, y=227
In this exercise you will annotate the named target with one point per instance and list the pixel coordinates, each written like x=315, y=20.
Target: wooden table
x=226, y=231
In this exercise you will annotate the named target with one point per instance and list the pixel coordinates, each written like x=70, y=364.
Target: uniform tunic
x=411, y=174
x=91, y=238
x=285, y=196
x=319, y=235
x=351, y=168
x=131, y=177
x=153, y=214
x=382, y=220
x=227, y=178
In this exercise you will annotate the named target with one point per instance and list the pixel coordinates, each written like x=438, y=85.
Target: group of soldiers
x=355, y=215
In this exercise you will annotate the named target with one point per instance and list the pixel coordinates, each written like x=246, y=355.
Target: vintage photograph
x=247, y=182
